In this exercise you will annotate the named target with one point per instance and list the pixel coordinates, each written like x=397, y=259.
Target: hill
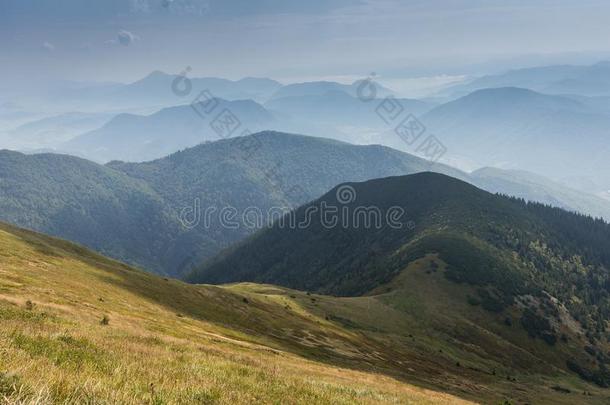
x=54, y=130
x=256, y=178
x=137, y=138
x=157, y=87
x=82, y=201
x=134, y=212
x=536, y=188
x=593, y=80
x=339, y=115
x=100, y=331
x=511, y=128
x=326, y=109
x=541, y=271
x=324, y=87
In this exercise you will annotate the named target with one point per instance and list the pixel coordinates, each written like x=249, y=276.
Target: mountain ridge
x=264, y=170
x=587, y=80
x=519, y=126
x=518, y=257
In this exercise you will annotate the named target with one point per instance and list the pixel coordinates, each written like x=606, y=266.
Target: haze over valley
x=321, y=202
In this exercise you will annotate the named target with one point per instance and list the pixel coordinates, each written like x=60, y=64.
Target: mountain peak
x=156, y=75
x=508, y=91
x=494, y=100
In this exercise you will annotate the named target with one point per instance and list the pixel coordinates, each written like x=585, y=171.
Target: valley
x=304, y=202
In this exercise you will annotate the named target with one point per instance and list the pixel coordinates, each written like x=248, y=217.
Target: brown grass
x=165, y=342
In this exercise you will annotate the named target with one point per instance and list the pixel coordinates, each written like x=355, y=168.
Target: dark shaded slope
x=545, y=267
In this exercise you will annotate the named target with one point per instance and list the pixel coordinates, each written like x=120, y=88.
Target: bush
x=105, y=320
x=492, y=303
x=538, y=326
x=549, y=338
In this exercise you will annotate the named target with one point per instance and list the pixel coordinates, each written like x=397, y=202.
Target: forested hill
x=505, y=247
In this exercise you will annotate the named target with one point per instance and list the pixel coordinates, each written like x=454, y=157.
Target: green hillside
x=537, y=270
x=132, y=211
x=102, y=332
x=82, y=201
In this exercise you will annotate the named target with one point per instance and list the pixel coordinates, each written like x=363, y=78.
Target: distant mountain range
x=320, y=88
x=514, y=128
x=593, y=80
x=52, y=131
x=138, y=138
x=340, y=115
x=495, y=124
x=161, y=87
x=326, y=109
x=533, y=187
x=132, y=211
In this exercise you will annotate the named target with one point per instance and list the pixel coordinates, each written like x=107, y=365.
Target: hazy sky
x=126, y=39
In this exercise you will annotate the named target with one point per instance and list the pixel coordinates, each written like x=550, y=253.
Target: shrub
x=538, y=326
x=491, y=302
x=105, y=320
x=549, y=338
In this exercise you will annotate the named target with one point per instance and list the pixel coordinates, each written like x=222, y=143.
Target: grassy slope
x=165, y=341
x=169, y=342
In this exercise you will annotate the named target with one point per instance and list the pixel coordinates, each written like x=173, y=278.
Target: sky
x=123, y=40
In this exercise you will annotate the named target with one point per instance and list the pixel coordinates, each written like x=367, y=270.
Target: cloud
x=47, y=46
x=125, y=38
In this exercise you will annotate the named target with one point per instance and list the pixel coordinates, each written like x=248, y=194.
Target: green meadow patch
x=63, y=350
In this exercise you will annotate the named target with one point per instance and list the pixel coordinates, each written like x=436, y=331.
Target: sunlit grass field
x=78, y=328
